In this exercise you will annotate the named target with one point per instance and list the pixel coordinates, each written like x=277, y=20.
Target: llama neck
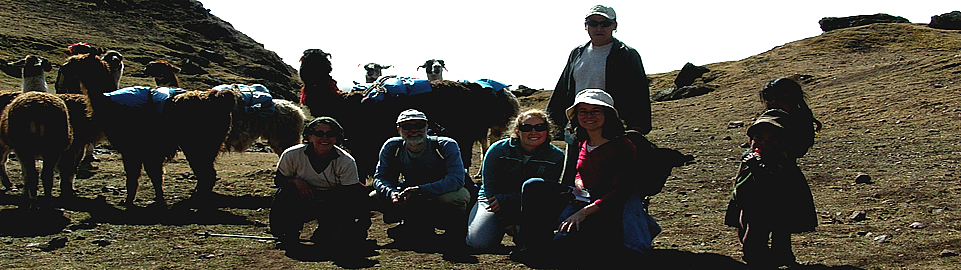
x=435, y=77
x=117, y=74
x=36, y=83
x=167, y=81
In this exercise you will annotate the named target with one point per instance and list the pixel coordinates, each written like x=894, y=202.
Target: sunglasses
x=409, y=126
x=598, y=23
x=529, y=127
x=328, y=134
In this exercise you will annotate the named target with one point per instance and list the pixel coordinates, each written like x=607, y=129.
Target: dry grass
x=888, y=95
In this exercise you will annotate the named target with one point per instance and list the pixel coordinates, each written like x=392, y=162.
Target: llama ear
x=45, y=64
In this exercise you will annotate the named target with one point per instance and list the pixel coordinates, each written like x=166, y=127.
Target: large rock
x=949, y=21
x=832, y=23
x=688, y=74
x=681, y=92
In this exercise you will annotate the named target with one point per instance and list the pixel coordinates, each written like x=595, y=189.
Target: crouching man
x=431, y=194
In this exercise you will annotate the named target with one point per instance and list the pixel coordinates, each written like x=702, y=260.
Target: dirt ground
x=888, y=95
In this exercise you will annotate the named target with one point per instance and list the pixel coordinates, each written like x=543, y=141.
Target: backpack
x=654, y=163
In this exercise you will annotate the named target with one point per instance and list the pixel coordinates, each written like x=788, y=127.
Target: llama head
x=83, y=48
x=114, y=62
x=435, y=69
x=374, y=71
x=163, y=72
x=315, y=67
x=92, y=73
x=30, y=66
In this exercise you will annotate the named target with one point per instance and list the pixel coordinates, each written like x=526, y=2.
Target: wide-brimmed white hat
x=593, y=97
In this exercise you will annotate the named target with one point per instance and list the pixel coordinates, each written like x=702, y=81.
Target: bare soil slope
x=888, y=95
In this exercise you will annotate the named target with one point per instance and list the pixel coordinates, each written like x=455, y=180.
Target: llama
x=31, y=69
x=196, y=121
x=85, y=132
x=374, y=71
x=36, y=124
x=282, y=129
x=435, y=69
x=464, y=110
x=114, y=62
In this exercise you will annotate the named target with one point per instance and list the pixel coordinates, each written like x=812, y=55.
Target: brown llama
x=85, y=132
x=196, y=121
x=282, y=129
x=36, y=124
x=463, y=111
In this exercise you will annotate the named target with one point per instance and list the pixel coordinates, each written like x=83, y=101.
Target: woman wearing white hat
x=595, y=185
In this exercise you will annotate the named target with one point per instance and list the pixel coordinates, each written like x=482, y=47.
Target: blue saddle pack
x=140, y=96
x=398, y=87
x=256, y=98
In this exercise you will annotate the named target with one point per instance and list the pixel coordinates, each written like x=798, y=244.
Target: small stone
x=862, y=233
x=858, y=215
x=917, y=225
x=745, y=145
x=937, y=211
x=102, y=242
x=57, y=242
x=862, y=178
x=881, y=238
x=948, y=253
x=934, y=130
x=697, y=130
x=869, y=235
x=735, y=124
x=727, y=138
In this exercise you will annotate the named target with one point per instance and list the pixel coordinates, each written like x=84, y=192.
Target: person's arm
x=628, y=84
x=286, y=173
x=347, y=169
x=561, y=96
x=454, y=179
x=385, y=177
x=624, y=183
x=499, y=199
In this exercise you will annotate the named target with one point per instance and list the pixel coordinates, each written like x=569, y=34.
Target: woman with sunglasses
x=318, y=180
x=608, y=64
x=583, y=215
x=509, y=162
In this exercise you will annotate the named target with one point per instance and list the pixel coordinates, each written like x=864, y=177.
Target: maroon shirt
x=604, y=171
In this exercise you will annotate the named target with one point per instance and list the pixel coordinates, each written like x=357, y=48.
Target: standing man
x=608, y=64
x=431, y=193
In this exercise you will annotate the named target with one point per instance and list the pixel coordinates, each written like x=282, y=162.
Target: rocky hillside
x=209, y=50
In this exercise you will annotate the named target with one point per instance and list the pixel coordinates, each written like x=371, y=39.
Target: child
x=786, y=94
x=771, y=199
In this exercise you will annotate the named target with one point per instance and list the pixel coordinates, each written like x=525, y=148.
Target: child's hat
x=771, y=119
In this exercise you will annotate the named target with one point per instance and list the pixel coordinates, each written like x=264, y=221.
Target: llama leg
x=46, y=174
x=68, y=170
x=5, y=152
x=206, y=174
x=155, y=170
x=29, y=174
x=131, y=166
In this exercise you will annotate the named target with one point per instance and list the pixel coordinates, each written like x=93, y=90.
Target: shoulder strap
x=434, y=144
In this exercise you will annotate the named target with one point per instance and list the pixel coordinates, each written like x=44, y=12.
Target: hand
x=573, y=223
x=493, y=206
x=409, y=193
x=511, y=230
x=304, y=188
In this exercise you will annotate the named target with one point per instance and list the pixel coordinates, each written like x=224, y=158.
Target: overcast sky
x=527, y=42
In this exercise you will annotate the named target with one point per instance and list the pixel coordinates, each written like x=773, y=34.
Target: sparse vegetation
x=889, y=96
